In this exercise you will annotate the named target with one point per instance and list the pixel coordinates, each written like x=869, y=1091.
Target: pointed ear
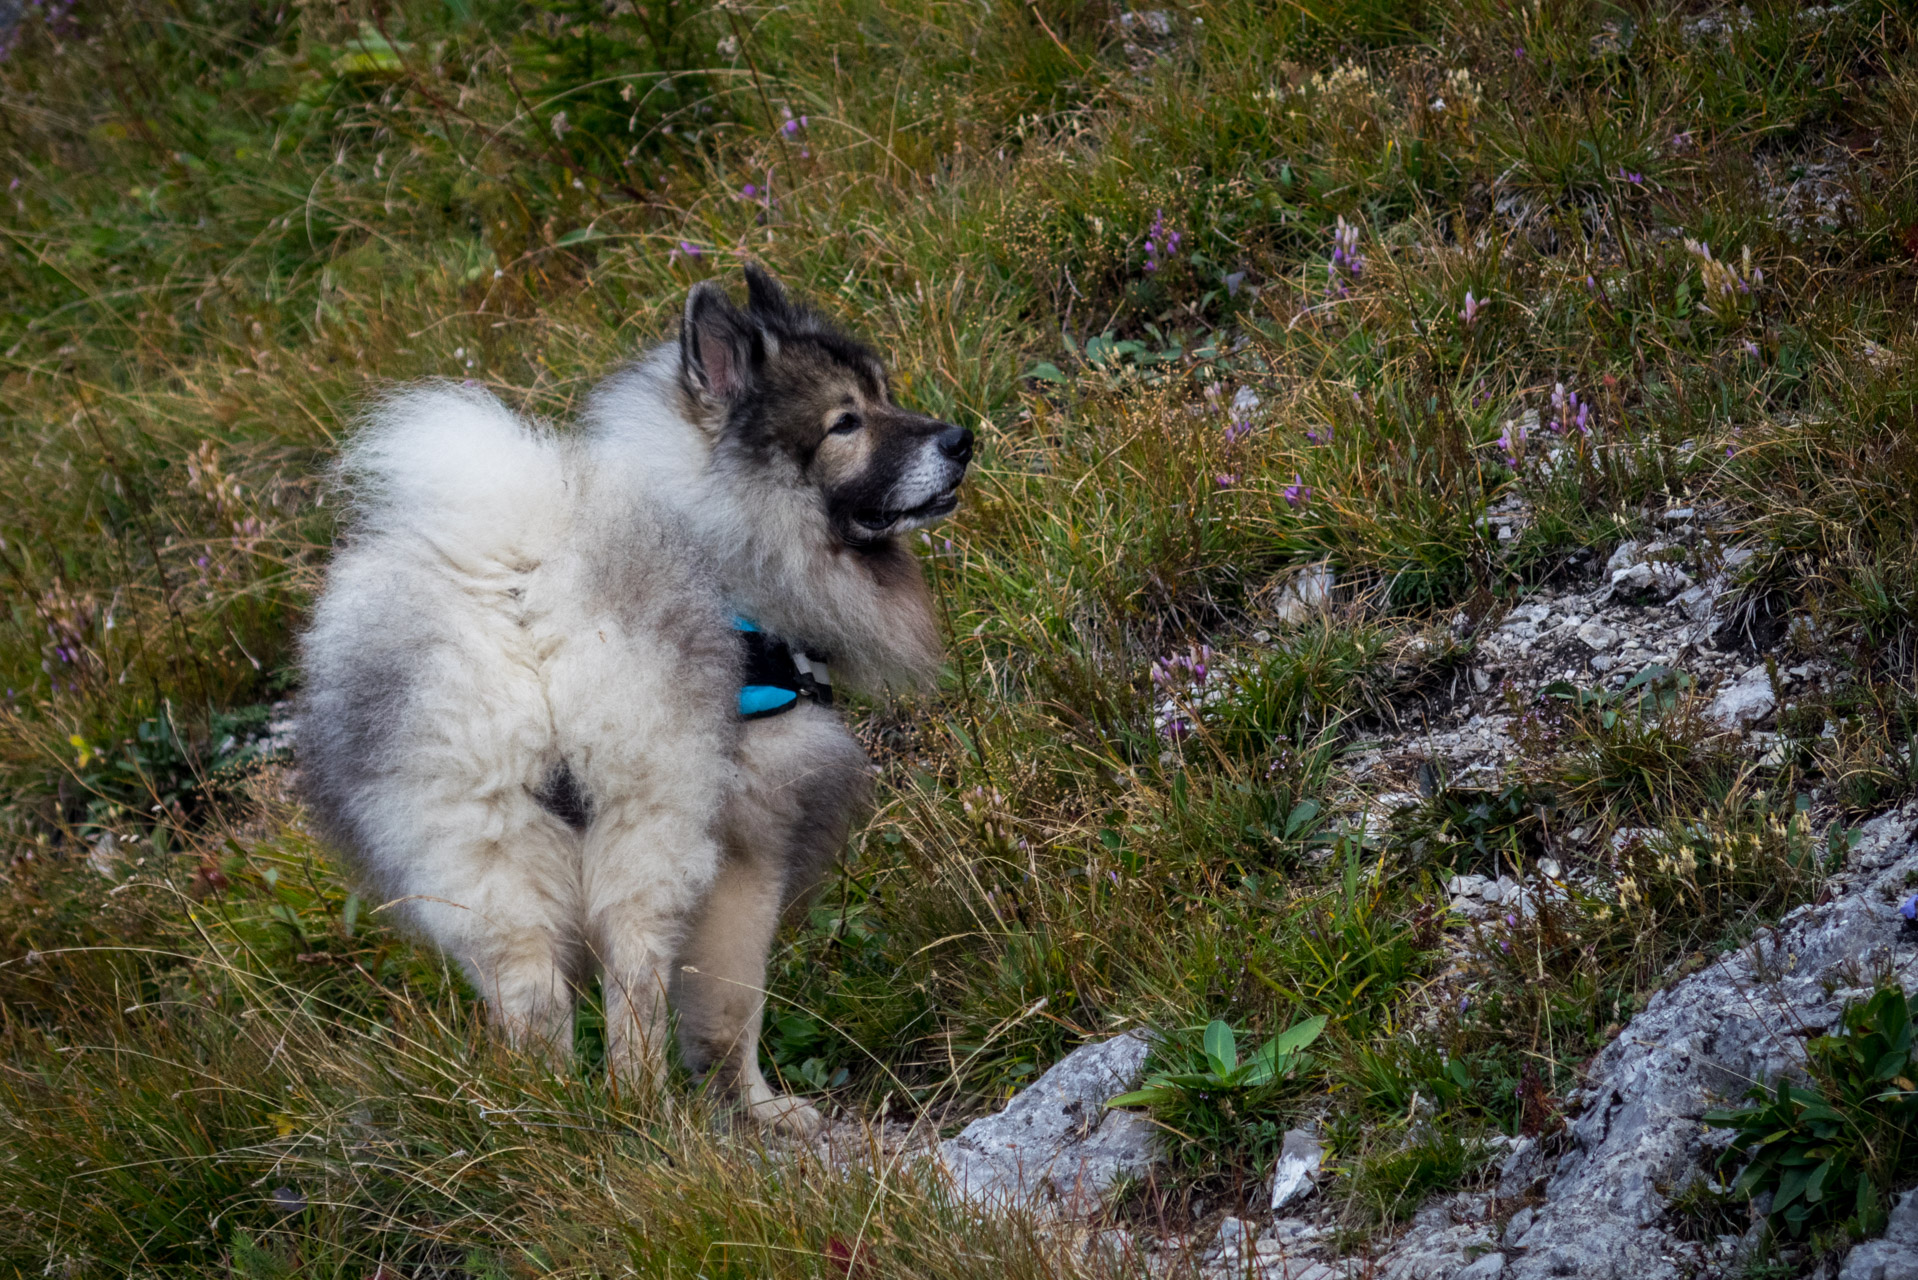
x=717, y=346
x=765, y=297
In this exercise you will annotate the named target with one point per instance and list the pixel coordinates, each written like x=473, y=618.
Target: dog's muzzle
x=929, y=493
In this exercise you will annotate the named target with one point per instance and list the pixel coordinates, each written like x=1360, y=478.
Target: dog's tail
x=453, y=465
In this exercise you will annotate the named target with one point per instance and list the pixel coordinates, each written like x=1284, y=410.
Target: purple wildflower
x=1226, y=479
x=1682, y=141
x=1346, y=260
x=1470, y=312
x=1909, y=909
x=1512, y=441
x=1297, y=494
x=1568, y=413
x=1750, y=348
x=1518, y=51
x=1636, y=179
x=1159, y=242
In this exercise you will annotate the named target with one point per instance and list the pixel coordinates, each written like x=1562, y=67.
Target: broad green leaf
x=1045, y=371
x=1790, y=1186
x=1221, y=1047
x=1295, y=1039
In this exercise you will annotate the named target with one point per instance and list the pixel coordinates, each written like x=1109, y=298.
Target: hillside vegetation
x=1230, y=291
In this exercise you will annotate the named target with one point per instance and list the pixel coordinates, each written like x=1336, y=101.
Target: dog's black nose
x=956, y=443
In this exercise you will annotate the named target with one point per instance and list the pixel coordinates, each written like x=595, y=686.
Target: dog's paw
x=783, y=1113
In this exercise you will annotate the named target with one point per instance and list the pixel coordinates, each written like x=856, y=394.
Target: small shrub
x=1829, y=1153
x=1218, y=1105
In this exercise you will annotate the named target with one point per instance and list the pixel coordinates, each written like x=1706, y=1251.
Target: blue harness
x=777, y=675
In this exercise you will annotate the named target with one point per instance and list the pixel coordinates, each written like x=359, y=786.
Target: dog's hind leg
x=646, y=869
x=721, y=989
x=804, y=779
x=504, y=902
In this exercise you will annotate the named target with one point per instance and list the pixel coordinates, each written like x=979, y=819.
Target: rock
x=1056, y=1143
x=1234, y=1238
x=1299, y=1158
x=1291, y=1235
x=1698, y=1044
x=1111, y=1246
x=1596, y=636
x=1515, y=1229
x=1624, y=557
x=1304, y=594
x=1524, y=621
x=1744, y=703
x=1488, y=1266
x=1881, y=840
x=1522, y=1171
x=1697, y=603
x=1649, y=582
x=1156, y=22
x=1895, y=1256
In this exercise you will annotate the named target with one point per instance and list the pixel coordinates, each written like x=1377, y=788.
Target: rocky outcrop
x=1705, y=1040
x=1594, y=1200
x=1056, y=1145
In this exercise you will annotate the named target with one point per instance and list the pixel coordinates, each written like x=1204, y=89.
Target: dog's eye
x=845, y=424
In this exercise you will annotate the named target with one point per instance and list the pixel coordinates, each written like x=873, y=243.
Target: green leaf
x=1143, y=1098
x=1815, y=1187
x=1790, y=1186
x=1221, y=1047
x=1290, y=1042
x=578, y=235
x=1045, y=371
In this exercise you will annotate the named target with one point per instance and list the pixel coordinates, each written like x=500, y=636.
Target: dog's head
x=777, y=385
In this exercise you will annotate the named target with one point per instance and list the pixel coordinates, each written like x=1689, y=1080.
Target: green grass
x=224, y=225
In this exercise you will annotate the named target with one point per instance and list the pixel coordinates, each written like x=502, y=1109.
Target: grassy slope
x=225, y=225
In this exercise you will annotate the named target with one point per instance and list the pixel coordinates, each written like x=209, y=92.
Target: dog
x=567, y=696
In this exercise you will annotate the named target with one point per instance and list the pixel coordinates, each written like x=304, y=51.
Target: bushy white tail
x=454, y=466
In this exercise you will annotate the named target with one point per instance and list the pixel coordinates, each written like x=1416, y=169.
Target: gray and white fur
x=520, y=711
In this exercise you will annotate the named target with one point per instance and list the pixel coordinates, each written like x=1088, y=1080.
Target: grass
x=224, y=225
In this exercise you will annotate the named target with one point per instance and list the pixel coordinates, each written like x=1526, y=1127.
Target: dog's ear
x=765, y=297
x=720, y=350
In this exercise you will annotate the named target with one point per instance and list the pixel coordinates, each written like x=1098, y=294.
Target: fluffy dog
x=566, y=695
